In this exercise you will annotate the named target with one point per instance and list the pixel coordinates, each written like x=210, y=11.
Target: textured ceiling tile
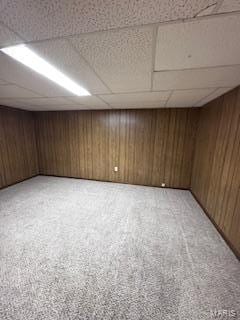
x=197, y=78
x=201, y=43
x=29, y=108
x=19, y=103
x=8, y=37
x=122, y=59
x=62, y=55
x=58, y=103
x=105, y=107
x=207, y=10
x=14, y=72
x=212, y=96
x=10, y=103
x=90, y=101
x=187, y=98
x=141, y=99
x=12, y=91
x=2, y=82
x=45, y=101
x=46, y=19
x=32, y=107
x=69, y=107
x=161, y=104
x=229, y=6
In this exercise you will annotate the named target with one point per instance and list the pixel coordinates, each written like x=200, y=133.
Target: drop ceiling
x=127, y=54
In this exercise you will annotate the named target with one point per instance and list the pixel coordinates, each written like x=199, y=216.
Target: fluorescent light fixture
x=30, y=59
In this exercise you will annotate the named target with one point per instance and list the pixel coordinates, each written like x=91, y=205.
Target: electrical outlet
x=116, y=169
x=163, y=185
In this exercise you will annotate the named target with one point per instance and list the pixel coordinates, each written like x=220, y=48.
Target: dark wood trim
x=143, y=185
x=234, y=250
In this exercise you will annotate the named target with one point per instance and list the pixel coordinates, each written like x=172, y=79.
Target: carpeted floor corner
x=77, y=249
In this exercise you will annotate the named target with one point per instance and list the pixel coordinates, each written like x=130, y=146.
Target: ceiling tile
x=141, y=99
x=8, y=37
x=30, y=108
x=17, y=103
x=208, y=10
x=212, y=96
x=12, y=91
x=10, y=103
x=66, y=108
x=123, y=58
x=62, y=55
x=229, y=6
x=90, y=101
x=200, y=43
x=161, y=104
x=187, y=98
x=23, y=104
x=37, y=20
x=45, y=101
x=105, y=107
x=15, y=72
x=2, y=82
x=197, y=78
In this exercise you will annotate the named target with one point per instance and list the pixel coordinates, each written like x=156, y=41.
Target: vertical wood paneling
x=55, y=138
x=100, y=145
x=173, y=146
x=235, y=223
x=137, y=139
x=149, y=146
x=127, y=148
x=2, y=150
x=79, y=143
x=114, y=152
x=18, y=154
x=216, y=170
x=160, y=146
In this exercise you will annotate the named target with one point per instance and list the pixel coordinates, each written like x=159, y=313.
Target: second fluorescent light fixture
x=30, y=59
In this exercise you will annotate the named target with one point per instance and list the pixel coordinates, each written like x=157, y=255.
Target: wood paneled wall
x=18, y=155
x=216, y=170
x=149, y=147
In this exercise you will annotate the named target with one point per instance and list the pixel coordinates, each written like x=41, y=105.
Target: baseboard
x=134, y=184
x=230, y=245
x=18, y=181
